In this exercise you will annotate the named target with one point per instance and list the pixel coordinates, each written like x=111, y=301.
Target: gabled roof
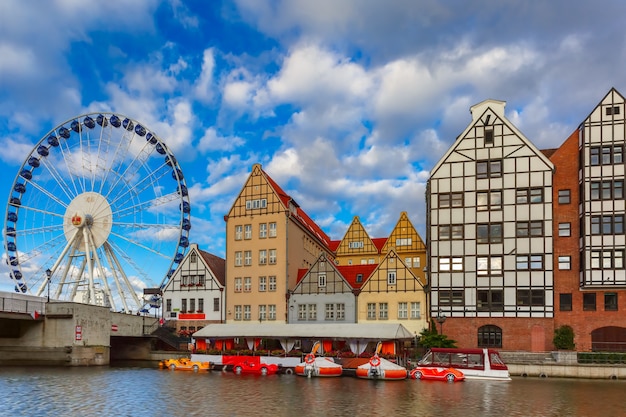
x=300, y=214
x=350, y=272
x=379, y=242
x=216, y=264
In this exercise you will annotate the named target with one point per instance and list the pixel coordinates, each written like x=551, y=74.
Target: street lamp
x=441, y=318
x=48, y=275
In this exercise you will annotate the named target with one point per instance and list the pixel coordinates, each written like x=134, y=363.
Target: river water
x=138, y=392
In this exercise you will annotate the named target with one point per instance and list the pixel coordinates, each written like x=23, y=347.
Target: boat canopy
x=385, y=331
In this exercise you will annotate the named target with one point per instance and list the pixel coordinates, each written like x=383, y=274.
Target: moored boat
x=184, y=364
x=318, y=366
x=381, y=368
x=480, y=363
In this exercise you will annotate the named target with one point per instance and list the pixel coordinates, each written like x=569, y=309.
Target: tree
x=564, y=338
x=431, y=338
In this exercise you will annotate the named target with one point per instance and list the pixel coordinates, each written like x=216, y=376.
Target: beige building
x=268, y=238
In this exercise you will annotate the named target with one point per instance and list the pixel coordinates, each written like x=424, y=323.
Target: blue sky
x=347, y=104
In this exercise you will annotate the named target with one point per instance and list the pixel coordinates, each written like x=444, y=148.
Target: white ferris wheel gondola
x=98, y=211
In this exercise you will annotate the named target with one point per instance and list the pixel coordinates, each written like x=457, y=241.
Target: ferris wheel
x=98, y=211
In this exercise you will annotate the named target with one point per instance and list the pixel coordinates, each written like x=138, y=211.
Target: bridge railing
x=19, y=303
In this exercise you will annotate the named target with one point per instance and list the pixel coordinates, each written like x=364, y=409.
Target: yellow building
x=393, y=294
x=357, y=248
x=409, y=246
x=268, y=238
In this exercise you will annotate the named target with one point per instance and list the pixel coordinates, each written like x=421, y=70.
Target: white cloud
x=204, y=84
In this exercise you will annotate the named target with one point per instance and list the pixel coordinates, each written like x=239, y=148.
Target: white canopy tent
x=366, y=332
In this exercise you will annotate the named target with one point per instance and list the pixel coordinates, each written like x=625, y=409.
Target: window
x=489, y=300
x=489, y=336
x=192, y=305
x=247, y=284
x=238, y=285
x=489, y=200
x=564, y=196
x=341, y=311
x=247, y=232
x=451, y=297
x=383, y=312
x=391, y=277
x=355, y=245
x=329, y=312
x=610, y=301
x=403, y=310
x=168, y=304
x=450, y=231
x=238, y=232
x=263, y=230
x=256, y=204
x=407, y=262
x=489, y=233
x=489, y=265
x=321, y=280
x=611, y=110
x=447, y=200
x=201, y=280
x=607, y=259
x=238, y=258
x=247, y=257
x=183, y=305
x=238, y=313
x=262, y=257
x=312, y=312
x=565, y=263
x=606, y=155
x=416, y=312
x=262, y=284
x=529, y=297
x=489, y=169
x=406, y=241
x=565, y=229
x=262, y=312
x=359, y=277
x=589, y=301
x=450, y=264
x=488, y=136
x=272, y=286
x=247, y=312
x=565, y=302
x=302, y=312
x=271, y=312
x=607, y=225
x=606, y=190
x=272, y=232
x=531, y=228
x=272, y=256
x=193, y=258
x=371, y=311
x=528, y=262
x=184, y=281
x=416, y=260
x=529, y=195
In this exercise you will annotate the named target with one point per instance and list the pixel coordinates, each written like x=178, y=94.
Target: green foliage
x=430, y=338
x=564, y=338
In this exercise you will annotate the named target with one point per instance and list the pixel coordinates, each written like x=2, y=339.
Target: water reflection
x=148, y=392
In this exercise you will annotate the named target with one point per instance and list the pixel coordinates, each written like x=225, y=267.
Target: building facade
x=194, y=296
x=489, y=227
x=268, y=238
x=590, y=238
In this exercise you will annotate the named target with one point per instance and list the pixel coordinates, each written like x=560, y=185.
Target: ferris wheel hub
x=89, y=209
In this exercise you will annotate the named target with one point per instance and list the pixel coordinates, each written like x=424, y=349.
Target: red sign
x=191, y=316
x=114, y=327
x=79, y=333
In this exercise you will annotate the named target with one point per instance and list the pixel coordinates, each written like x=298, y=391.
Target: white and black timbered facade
x=490, y=227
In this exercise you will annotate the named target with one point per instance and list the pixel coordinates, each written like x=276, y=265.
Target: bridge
x=35, y=330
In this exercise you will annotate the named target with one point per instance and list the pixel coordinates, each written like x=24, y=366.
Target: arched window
x=490, y=336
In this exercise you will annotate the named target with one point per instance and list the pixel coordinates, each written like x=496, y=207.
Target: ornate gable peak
x=479, y=109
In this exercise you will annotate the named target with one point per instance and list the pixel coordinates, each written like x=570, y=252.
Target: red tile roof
x=379, y=242
x=216, y=264
x=300, y=215
x=350, y=272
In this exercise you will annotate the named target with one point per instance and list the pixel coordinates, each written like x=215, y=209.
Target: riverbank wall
x=558, y=364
